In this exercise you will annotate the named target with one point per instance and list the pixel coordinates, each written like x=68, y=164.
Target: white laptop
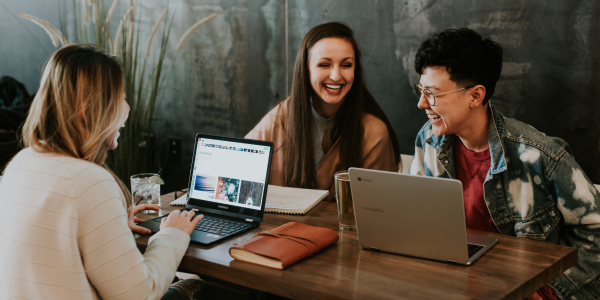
x=414, y=215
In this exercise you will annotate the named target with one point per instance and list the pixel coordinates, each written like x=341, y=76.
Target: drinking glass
x=144, y=191
x=343, y=197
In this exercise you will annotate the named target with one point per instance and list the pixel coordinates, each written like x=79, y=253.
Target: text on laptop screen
x=230, y=173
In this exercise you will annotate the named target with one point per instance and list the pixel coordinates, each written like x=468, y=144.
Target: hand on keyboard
x=133, y=220
x=183, y=220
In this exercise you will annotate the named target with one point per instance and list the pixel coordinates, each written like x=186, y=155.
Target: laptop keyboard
x=217, y=226
x=473, y=249
x=220, y=226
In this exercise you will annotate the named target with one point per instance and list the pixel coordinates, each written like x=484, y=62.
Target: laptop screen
x=229, y=175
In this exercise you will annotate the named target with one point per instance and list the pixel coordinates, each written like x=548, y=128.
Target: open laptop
x=414, y=215
x=228, y=185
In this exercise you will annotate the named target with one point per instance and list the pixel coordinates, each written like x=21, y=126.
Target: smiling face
x=112, y=139
x=451, y=112
x=331, y=68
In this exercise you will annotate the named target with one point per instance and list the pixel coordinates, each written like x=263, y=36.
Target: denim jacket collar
x=495, y=133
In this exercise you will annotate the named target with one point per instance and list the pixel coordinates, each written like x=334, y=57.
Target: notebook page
x=282, y=199
x=180, y=201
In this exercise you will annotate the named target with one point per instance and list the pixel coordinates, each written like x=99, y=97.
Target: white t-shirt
x=64, y=235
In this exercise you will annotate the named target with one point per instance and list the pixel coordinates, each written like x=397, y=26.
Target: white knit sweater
x=64, y=235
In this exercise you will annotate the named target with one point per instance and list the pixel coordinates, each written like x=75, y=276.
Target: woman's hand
x=183, y=220
x=133, y=220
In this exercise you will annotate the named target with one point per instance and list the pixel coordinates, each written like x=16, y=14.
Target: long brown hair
x=77, y=106
x=300, y=170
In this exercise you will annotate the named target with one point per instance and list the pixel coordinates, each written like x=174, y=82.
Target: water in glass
x=144, y=192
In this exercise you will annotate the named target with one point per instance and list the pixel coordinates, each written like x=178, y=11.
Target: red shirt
x=471, y=170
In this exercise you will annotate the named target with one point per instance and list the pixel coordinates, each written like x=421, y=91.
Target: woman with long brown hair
x=330, y=121
x=67, y=223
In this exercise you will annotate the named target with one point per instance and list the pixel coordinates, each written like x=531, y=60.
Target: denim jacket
x=534, y=189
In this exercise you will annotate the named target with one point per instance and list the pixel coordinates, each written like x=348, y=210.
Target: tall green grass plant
x=137, y=151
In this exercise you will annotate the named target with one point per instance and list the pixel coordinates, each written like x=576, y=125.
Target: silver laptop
x=414, y=215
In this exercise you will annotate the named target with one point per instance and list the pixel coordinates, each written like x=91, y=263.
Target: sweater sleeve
x=264, y=129
x=378, y=149
x=579, y=203
x=260, y=132
x=113, y=264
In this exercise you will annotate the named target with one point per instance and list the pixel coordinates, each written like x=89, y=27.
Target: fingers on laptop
x=197, y=219
x=189, y=214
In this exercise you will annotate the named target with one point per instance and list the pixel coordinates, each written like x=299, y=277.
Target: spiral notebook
x=180, y=201
x=287, y=200
x=284, y=200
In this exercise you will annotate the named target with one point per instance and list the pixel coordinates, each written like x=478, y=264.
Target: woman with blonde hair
x=67, y=227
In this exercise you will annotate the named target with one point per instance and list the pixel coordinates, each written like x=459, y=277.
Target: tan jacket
x=378, y=150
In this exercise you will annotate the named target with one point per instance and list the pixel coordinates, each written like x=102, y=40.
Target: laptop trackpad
x=485, y=241
x=204, y=237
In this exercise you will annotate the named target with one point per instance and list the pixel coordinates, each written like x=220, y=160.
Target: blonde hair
x=77, y=107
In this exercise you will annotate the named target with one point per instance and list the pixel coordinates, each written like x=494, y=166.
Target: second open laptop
x=228, y=184
x=414, y=215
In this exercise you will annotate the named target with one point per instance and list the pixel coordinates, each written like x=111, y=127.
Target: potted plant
x=137, y=151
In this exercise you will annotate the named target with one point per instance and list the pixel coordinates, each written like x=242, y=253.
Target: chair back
x=404, y=165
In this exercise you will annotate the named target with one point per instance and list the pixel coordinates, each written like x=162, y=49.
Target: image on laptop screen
x=229, y=175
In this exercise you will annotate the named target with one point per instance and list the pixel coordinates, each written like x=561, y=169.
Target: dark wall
x=227, y=77
x=233, y=70
x=550, y=77
x=24, y=47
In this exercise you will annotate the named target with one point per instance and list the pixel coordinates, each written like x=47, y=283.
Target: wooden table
x=513, y=269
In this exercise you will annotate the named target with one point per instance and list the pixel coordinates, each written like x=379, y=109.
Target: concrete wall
x=24, y=47
x=551, y=72
x=233, y=70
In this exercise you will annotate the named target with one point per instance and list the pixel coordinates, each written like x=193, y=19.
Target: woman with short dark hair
x=330, y=121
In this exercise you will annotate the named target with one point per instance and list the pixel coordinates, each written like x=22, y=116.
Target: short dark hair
x=470, y=59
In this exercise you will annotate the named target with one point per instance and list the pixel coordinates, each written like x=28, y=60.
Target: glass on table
x=343, y=198
x=145, y=189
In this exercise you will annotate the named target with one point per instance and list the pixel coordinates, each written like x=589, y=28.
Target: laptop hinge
x=249, y=220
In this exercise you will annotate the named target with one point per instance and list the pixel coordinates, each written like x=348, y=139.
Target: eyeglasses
x=429, y=96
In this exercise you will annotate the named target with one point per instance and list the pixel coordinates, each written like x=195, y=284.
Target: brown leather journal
x=284, y=245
